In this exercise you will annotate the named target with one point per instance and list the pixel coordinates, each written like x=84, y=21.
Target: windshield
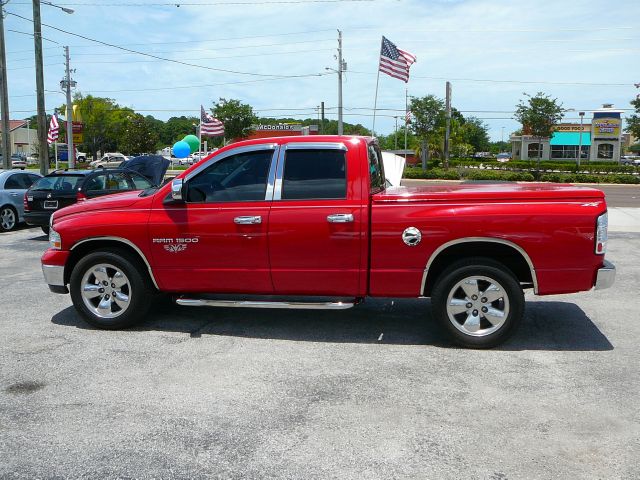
x=58, y=182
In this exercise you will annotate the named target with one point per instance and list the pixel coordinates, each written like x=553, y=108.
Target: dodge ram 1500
x=262, y=223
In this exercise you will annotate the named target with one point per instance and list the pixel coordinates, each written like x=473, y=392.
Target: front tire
x=45, y=229
x=109, y=291
x=8, y=218
x=479, y=302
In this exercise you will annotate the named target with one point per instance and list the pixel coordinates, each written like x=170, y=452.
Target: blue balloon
x=181, y=149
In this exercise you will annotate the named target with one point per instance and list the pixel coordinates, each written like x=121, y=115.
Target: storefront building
x=599, y=140
x=282, y=130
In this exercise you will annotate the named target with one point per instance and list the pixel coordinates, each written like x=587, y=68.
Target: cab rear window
x=59, y=182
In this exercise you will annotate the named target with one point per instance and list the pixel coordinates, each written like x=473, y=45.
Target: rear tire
x=8, y=218
x=109, y=291
x=478, y=301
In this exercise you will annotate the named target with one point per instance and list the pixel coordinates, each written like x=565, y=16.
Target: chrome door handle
x=249, y=220
x=340, y=218
x=14, y=194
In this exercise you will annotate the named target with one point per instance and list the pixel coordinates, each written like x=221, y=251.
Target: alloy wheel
x=106, y=290
x=477, y=305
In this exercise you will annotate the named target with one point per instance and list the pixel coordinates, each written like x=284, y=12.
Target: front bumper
x=606, y=276
x=53, y=262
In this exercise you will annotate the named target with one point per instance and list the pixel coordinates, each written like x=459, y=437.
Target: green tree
x=138, y=135
x=236, y=116
x=176, y=128
x=103, y=122
x=538, y=115
x=427, y=122
x=633, y=122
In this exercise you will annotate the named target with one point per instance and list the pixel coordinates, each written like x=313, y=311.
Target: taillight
x=25, y=201
x=602, y=225
x=81, y=197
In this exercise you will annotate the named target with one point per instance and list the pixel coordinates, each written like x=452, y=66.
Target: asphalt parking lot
x=375, y=392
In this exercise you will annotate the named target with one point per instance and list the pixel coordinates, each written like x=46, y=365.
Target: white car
x=630, y=160
x=109, y=160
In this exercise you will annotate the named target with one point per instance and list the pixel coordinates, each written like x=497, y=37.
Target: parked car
x=66, y=187
x=13, y=185
x=19, y=161
x=630, y=160
x=313, y=216
x=503, y=157
x=108, y=160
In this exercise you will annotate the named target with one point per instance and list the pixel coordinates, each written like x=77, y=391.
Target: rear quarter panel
x=557, y=235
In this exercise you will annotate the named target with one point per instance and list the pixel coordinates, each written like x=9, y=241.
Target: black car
x=66, y=187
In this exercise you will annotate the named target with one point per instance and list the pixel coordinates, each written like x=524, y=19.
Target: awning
x=570, y=138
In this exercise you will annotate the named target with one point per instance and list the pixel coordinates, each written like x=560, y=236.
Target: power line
x=167, y=59
x=204, y=4
x=525, y=82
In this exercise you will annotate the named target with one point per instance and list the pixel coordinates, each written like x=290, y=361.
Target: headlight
x=54, y=239
x=602, y=225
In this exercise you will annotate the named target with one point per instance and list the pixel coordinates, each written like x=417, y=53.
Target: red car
x=312, y=216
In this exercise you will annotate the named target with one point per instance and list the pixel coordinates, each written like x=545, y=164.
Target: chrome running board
x=203, y=302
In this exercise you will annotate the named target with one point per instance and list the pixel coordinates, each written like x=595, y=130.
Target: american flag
x=210, y=126
x=407, y=118
x=52, y=136
x=395, y=62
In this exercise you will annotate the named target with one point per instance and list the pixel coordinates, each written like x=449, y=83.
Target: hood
x=107, y=202
x=492, y=192
x=151, y=166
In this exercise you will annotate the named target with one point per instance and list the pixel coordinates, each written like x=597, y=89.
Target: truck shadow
x=555, y=326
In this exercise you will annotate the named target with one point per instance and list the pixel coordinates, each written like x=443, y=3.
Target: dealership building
x=598, y=140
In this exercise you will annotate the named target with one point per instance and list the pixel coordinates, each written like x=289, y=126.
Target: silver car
x=13, y=185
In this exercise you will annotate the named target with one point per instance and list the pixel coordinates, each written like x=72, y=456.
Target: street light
x=42, y=113
x=64, y=9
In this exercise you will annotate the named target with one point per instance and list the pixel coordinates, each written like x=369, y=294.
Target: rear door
x=316, y=220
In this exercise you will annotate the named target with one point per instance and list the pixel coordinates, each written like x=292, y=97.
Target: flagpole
x=375, y=101
x=406, y=121
x=55, y=152
x=200, y=136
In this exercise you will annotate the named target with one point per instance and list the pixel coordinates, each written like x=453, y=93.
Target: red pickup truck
x=311, y=222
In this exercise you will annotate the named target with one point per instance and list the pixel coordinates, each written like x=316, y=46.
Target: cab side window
x=314, y=174
x=237, y=178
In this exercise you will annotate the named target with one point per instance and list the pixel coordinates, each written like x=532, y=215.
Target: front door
x=216, y=239
x=315, y=227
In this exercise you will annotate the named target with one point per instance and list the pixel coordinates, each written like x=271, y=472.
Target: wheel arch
x=83, y=247
x=511, y=255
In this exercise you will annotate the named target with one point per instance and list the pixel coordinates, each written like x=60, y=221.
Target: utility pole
x=447, y=132
x=43, y=149
x=4, y=94
x=580, y=137
x=395, y=134
x=67, y=83
x=322, y=114
x=340, y=70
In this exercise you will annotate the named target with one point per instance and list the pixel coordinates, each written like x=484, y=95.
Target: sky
x=275, y=55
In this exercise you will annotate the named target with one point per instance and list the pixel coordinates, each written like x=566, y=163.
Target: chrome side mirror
x=176, y=189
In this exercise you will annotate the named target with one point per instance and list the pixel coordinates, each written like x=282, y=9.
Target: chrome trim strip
x=271, y=179
x=318, y=145
x=127, y=242
x=606, y=276
x=444, y=246
x=53, y=274
x=277, y=192
x=197, y=302
x=228, y=153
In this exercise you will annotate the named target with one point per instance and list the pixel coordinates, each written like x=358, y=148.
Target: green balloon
x=193, y=142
